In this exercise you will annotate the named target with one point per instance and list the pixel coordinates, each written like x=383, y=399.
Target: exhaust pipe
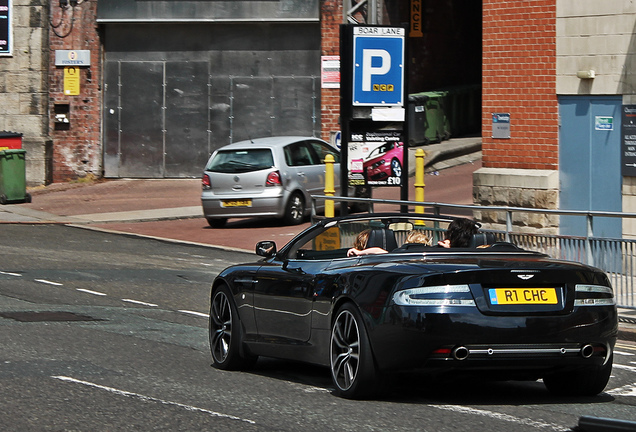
x=587, y=351
x=460, y=353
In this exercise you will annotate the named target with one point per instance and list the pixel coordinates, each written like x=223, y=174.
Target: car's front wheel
x=353, y=370
x=396, y=168
x=225, y=333
x=580, y=382
x=294, y=210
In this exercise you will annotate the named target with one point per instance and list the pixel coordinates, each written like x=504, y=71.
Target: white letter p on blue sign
x=368, y=70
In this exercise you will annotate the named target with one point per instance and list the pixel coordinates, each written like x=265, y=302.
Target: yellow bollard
x=329, y=185
x=419, y=182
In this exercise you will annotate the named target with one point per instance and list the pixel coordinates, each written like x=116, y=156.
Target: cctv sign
x=378, y=66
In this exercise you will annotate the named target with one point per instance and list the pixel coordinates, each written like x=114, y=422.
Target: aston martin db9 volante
x=491, y=310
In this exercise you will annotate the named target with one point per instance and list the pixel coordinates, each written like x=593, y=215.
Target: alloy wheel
x=220, y=327
x=396, y=167
x=295, y=210
x=345, y=350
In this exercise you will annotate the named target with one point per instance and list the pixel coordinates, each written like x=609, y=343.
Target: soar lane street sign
x=378, y=66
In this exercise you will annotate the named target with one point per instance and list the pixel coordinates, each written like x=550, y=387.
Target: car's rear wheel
x=225, y=333
x=353, y=370
x=580, y=382
x=216, y=222
x=294, y=210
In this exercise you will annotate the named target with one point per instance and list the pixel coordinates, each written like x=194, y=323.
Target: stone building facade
x=24, y=97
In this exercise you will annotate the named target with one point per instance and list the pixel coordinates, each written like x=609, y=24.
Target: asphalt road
x=103, y=332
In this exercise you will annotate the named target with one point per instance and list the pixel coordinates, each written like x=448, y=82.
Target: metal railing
x=615, y=256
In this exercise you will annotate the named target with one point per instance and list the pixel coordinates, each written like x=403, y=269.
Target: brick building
x=75, y=113
x=562, y=71
x=519, y=79
x=180, y=81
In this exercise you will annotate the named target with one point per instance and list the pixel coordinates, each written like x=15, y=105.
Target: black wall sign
x=628, y=141
x=5, y=27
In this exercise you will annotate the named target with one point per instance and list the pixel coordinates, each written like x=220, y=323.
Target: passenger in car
x=360, y=246
x=459, y=233
x=417, y=236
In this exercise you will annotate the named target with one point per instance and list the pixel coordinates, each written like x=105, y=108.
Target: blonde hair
x=418, y=236
x=360, y=243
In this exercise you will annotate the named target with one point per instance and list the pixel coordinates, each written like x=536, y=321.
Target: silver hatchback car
x=269, y=177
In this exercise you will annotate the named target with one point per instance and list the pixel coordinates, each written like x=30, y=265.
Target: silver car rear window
x=240, y=161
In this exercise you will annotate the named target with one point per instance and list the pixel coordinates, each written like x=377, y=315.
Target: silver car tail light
x=443, y=295
x=594, y=295
x=206, y=183
x=274, y=179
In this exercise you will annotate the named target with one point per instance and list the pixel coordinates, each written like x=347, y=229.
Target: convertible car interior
x=387, y=239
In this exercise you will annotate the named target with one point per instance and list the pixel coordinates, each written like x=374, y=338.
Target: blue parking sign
x=378, y=66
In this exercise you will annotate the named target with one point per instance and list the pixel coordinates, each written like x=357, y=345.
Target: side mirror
x=266, y=248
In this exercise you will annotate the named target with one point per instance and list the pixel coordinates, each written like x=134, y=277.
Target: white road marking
x=623, y=353
x=151, y=399
x=620, y=366
x=139, y=302
x=10, y=274
x=91, y=292
x=500, y=416
x=627, y=347
x=44, y=281
x=626, y=390
x=194, y=313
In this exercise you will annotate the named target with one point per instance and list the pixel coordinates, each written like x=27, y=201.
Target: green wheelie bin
x=13, y=177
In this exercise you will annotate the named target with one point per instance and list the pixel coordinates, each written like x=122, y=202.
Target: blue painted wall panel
x=589, y=162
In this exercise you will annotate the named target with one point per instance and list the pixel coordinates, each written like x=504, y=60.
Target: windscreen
x=241, y=161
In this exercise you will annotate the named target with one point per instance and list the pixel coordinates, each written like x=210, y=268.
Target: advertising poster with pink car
x=375, y=158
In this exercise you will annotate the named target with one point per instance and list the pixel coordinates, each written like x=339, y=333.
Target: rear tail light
x=594, y=295
x=445, y=295
x=205, y=182
x=273, y=179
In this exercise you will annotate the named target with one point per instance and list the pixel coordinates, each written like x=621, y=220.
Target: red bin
x=10, y=140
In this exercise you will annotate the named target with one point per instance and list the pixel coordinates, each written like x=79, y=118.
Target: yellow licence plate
x=509, y=296
x=237, y=203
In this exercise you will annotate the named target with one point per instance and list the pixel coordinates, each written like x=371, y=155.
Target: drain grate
x=32, y=316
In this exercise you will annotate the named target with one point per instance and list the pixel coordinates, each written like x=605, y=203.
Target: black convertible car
x=492, y=309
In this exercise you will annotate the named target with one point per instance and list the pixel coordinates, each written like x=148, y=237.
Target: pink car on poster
x=384, y=161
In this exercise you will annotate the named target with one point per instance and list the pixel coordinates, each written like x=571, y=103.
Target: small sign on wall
x=416, y=19
x=501, y=125
x=72, y=58
x=71, y=81
x=6, y=30
x=628, y=141
x=330, y=73
x=603, y=123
